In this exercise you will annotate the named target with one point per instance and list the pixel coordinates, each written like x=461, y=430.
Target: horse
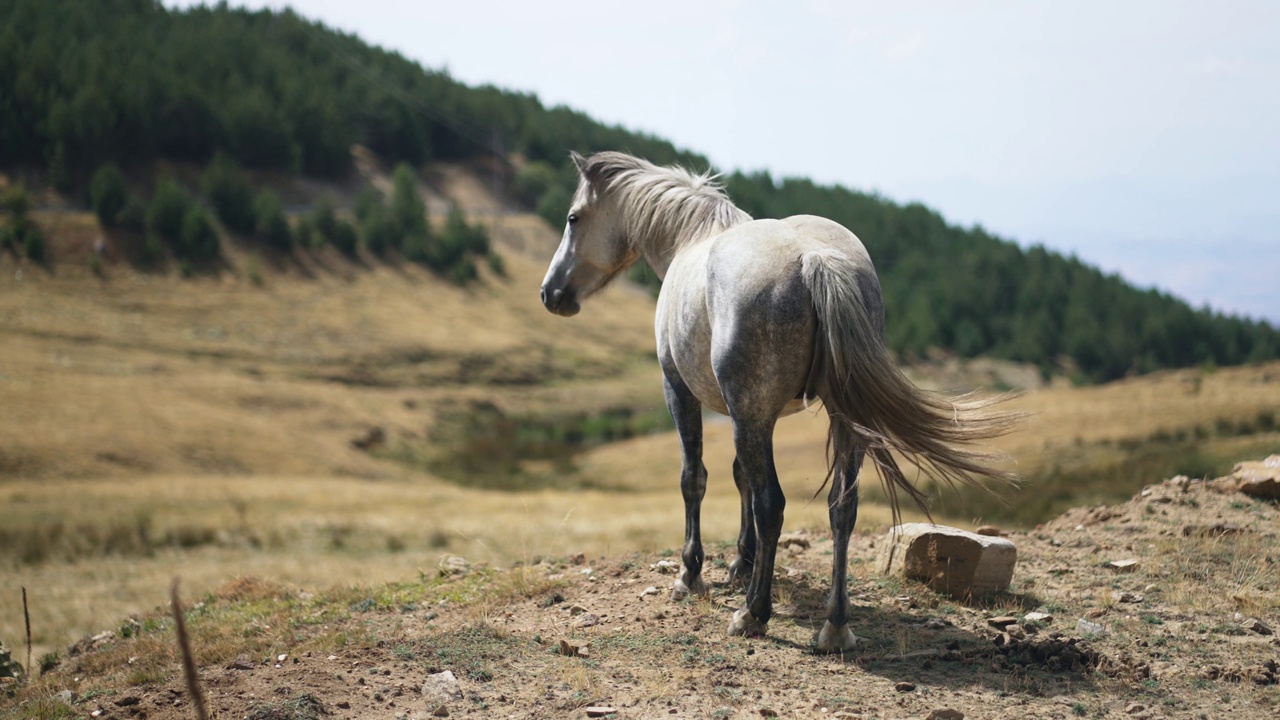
x=758, y=319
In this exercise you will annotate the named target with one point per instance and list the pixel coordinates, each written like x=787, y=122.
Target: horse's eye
x=573, y=218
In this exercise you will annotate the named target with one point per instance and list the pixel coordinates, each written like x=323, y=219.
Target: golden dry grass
x=218, y=414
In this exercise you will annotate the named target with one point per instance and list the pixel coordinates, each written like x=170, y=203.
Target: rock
x=587, y=620
x=665, y=566
x=128, y=701
x=1085, y=627
x=577, y=609
x=1002, y=621
x=569, y=649
x=795, y=539
x=240, y=663
x=945, y=714
x=601, y=710
x=1257, y=626
x=990, y=531
x=1128, y=597
x=441, y=688
x=454, y=565
x=951, y=561
x=651, y=590
x=440, y=711
x=1016, y=632
x=904, y=686
x=1038, y=617
x=1259, y=479
x=1135, y=708
x=1123, y=565
x=769, y=713
x=65, y=696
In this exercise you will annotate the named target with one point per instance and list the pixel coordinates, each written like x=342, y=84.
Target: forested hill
x=84, y=83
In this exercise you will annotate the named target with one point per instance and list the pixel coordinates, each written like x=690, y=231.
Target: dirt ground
x=1184, y=632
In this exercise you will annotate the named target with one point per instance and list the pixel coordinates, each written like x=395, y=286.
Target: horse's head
x=593, y=251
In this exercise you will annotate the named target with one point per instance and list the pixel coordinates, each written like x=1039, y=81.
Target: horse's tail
x=873, y=406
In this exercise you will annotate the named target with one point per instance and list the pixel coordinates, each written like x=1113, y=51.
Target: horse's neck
x=661, y=250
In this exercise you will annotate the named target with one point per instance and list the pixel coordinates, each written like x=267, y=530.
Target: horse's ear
x=579, y=161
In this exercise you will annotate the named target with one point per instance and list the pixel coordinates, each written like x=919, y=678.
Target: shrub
x=379, y=235
x=198, y=241
x=533, y=181
x=133, y=216
x=305, y=235
x=228, y=189
x=344, y=237
x=108, y=194
x=368, y=201
x=272, y=225
x=409, y=214
x=323, y=220
x=167, y=211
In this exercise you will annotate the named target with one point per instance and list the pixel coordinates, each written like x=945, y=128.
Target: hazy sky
x=1142, y=136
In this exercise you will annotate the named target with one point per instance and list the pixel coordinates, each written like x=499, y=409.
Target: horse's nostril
x=542, y=293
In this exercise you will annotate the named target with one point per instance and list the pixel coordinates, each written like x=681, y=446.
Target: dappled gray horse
x=757, y=319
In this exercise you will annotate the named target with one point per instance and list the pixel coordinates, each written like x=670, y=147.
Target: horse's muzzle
x=560, y=302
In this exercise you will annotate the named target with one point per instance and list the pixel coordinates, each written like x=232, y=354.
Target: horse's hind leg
x=686, y=411
x=842, y=506
x=740, y=568
x=753, y=441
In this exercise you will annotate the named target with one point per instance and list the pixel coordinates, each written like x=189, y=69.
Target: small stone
x=344, y=705
x=1084, y=627
x=1135, y=708
x=440, y=711
x=441, y=688
x=1123, y=565
x=128, y=701
x=665, y=566
x=935, y=623
x=787, y=540
x=1038, y=617
x=568, y=649
x=240, y=663
x=766, y=712
x=945, y=714
x=990, y=531
x=601, y=710
x=65, y=696
x=454, y=565
x=904, y=687
x=1257, y=626
x=1016, y=632
x=587, y=620
x=651, y=590
x=1127, y=597
x=1002, y=621
x=576, y=609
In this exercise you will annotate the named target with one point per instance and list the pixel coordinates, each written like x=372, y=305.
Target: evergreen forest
x=93, y=93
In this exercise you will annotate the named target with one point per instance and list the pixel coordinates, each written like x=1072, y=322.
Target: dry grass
x=156, y=426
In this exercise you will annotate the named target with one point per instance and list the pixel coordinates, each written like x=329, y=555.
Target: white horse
x=755, y=320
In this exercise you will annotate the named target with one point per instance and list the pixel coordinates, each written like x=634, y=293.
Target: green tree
x=198, y=240
x=272, y=226
x=108, y=194
x=408, y=215
x=226, y=186
x=167, y=211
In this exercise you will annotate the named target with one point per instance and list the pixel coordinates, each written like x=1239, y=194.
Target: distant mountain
x=87, y=82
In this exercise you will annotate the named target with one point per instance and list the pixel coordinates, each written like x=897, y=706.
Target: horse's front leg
x=686, y=411
x=842, y=506
x=753, y=441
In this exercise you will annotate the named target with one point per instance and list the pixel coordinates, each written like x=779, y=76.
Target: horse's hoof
x=744, y=623
x=739, y=573
x=832, y=639
x=683, y=589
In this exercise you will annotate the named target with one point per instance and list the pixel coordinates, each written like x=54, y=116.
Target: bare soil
x=1183, y=633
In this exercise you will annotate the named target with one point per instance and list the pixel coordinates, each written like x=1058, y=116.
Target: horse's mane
x=665, y=208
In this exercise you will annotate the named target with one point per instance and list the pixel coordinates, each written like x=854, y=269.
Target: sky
x=1141, y=136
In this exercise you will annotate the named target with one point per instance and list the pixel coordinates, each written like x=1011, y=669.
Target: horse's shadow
x=926, y=647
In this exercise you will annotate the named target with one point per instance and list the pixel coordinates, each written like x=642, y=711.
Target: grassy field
x=313, y=420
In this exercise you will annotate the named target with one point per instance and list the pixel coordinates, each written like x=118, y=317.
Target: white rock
x=1085, y=627
x=441, y=688
x=951, y=561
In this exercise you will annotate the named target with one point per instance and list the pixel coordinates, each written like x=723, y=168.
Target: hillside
x=1188, y=632
x=87, y=84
